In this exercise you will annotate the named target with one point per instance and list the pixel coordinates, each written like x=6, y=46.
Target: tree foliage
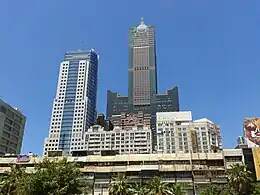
x=56, y=177
x=59, y=177
x=255, y=189
x=12, y=183
x=177, y=189
x=239, y=179
x=119, y=185
x=214, y=189
x=157, y=187
x=138, y=189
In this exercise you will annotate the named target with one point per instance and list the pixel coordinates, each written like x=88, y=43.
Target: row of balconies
x=130, y=168
x=162, y=168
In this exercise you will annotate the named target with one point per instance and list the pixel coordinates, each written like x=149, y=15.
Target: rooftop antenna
x=142, y=20
x=80, y=45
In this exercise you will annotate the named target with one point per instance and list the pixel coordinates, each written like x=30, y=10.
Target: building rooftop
x=12, y=108
x=203, y=120
x=137, y=157
x=78, y=54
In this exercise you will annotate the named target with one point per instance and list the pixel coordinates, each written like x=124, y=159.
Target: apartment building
x=177, y=132
x=98, y=141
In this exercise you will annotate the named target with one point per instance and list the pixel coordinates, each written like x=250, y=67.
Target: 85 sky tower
x=142, y=83
x=142, y=80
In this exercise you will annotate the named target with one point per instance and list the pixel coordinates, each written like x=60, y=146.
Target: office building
x=190, y=169
x=74, y=107
x=12, y=123
x=142, y=71
x=177, y=133
x=142, y=80
x=127, y=121
x=136, y=140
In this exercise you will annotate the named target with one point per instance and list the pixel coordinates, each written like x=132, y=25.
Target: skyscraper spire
x=142, y=25
x=142, y=20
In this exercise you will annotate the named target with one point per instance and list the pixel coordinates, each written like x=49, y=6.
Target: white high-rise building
x=176, y=132
x=74, y=107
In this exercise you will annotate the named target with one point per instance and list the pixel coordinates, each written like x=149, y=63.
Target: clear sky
x=209, y=49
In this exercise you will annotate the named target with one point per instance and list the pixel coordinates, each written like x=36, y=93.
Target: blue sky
x=209, y=49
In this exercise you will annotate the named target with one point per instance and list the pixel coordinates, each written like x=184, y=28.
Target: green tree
x=138, y=189
x=11, y=183
x=214, y=189
x=239, y=179
x=119, y=185
x=56, y=177
x=177, y=189
x=158, y=187
x=255, y=189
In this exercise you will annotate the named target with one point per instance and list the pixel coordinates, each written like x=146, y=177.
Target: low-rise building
x=177, y=132
x=192, y=169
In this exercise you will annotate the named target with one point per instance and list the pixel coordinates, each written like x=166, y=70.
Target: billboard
x=193, y=138
x=252, y=131
x=23, y=158
x=256, y=156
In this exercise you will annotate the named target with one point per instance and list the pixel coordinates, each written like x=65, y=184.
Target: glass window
x=2, y=109
x=8, y=121
x=10, y=114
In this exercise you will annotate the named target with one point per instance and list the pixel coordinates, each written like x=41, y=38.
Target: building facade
x=190, y=169
x=177, y=133
x=98, y=141
x=166, y=102
x=142, y=71
x=116, y=104
x=128, y=121
x=12, y=123
x=74, y=107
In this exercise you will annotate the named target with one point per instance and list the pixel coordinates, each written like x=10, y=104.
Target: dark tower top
x=142, y=83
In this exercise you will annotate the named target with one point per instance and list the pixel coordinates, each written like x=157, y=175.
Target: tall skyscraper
x=74, y=107
x=142, y=84
x=142, y=80
x=12, y=123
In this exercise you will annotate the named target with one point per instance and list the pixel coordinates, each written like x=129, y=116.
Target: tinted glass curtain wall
x=69, y=104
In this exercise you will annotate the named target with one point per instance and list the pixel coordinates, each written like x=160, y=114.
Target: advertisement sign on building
x=193, y=137
x=23, y=158
x=256, y=156
x=252, y=131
